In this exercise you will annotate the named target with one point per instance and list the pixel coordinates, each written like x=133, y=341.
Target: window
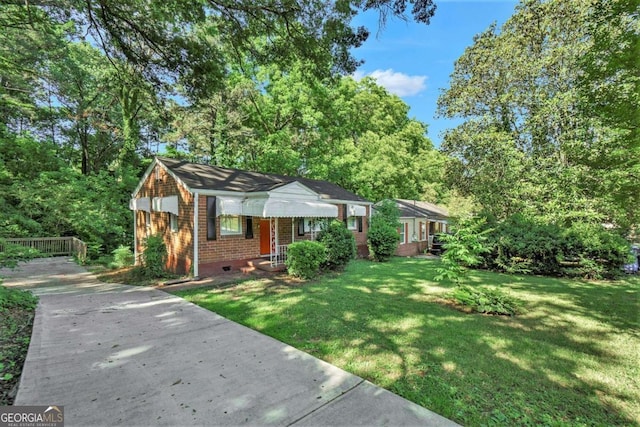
x=314, y=224
x=402, y=233
x=173, y=222
x=249, y=228
x=230, y=224
x=423, y=231
x=211, y=218
x=352, y=223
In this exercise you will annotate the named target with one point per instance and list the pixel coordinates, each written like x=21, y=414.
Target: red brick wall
x=410, y=249
x=179, y=243
x=216, y=254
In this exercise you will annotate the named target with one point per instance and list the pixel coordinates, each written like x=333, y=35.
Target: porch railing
x=280, y=255
x=52, y=246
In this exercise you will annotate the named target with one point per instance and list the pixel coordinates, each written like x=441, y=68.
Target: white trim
x=343, y=202
x=144, y=178
x=173, y=220
x=174, y=176
x=250, y=194
x=196, y=257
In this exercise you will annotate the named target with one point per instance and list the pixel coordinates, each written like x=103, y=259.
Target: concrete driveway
x=122, y=355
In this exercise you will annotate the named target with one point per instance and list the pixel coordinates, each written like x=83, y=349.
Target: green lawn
x=571, y=359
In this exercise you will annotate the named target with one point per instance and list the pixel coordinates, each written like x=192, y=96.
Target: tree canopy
x=90, y=89
x=549, y=128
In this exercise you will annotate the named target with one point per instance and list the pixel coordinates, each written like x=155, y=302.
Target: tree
x=526, y=143
x=165, y=39
x=610, y=84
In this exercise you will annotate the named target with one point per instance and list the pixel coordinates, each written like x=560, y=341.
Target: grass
x=17, y=310
x=570, y=359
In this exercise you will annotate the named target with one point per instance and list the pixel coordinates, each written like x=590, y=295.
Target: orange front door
x=265, y=237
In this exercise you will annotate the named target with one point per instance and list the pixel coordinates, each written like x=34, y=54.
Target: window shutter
x=249, y=228
x=211, y=217
x=360, y=221
x=300, y=226
x=344, y=214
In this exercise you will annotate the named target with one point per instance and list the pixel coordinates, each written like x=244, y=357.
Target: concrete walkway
x=122, y=355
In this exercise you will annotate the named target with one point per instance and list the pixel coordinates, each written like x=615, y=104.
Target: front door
x=265, y=237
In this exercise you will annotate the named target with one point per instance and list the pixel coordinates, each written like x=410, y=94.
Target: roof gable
x=294, y=189
x=202, y=177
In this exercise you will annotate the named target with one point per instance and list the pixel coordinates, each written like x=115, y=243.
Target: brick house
x=216, y=219
x=420, y=221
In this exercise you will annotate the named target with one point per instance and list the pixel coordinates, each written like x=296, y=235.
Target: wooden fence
x=52, y=246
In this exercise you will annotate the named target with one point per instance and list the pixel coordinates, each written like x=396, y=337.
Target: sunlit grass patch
x=570, y=358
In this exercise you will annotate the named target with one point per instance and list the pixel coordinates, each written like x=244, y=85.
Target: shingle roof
x=206, y=177
x=423, y=207
x=419, y=209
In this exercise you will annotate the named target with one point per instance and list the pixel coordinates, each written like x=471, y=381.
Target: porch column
x=135, y=237
x=273, y=234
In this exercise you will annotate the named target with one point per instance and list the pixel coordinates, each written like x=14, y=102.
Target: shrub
x=524, y=245
x=305, y=258
x=339, y=243
x=16, y=298
x=383, y=237
x=122, y=257
x=464, y=248
x=154, y=257
x=487, y=300
x=11, y=254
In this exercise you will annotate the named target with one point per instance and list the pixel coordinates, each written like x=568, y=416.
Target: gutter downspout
x=196, y=258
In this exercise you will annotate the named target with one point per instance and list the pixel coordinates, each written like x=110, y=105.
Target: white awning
x=280, y=208
x=229, y=206
x=253, y=207
x=356, y=210
x=299, y=209
x=166, y=204
x=140, y=204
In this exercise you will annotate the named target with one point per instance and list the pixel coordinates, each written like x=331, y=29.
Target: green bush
x=487, y=300
x=122, y=257
x=383, y=242
x=383, y=237
x=464, y=249
x=525, y=245
x=12, y=254
x=340, y=244
x=305, y=258
x=154, y=257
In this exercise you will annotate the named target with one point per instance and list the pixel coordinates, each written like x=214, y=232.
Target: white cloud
x=395, y=82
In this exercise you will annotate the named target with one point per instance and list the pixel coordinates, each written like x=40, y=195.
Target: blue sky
x=414, y=61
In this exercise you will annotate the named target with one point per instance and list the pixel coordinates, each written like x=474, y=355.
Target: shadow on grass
x=569, y=359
